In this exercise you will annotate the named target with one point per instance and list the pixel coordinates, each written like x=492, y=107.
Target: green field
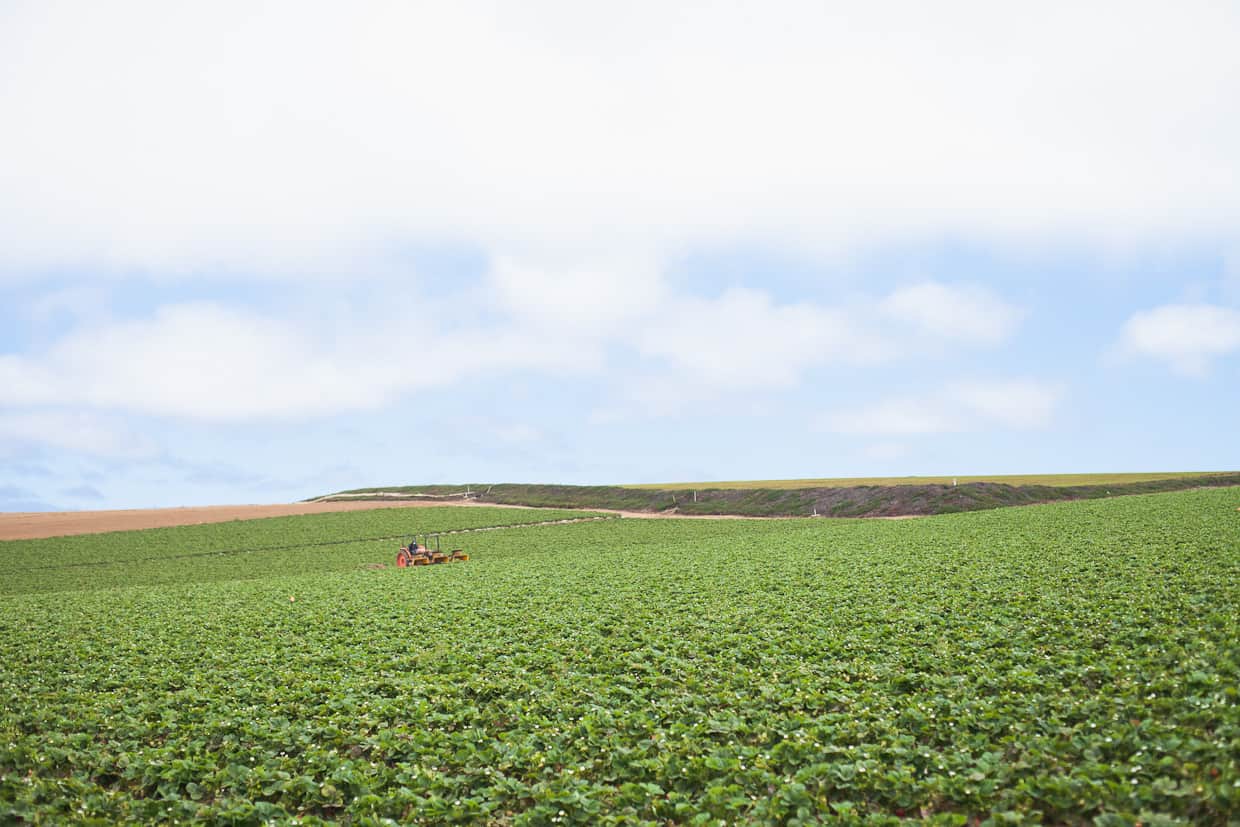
x=1074, y=663
x=240, y=548
x=1007, y=479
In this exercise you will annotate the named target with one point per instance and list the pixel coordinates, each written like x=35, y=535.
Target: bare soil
x=30, y=525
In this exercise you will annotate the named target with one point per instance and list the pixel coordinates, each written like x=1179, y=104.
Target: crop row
x=274, y=533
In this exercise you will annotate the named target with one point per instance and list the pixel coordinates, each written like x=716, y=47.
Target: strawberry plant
x=1075, y=663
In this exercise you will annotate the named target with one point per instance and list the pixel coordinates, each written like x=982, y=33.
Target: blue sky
x=257, y=252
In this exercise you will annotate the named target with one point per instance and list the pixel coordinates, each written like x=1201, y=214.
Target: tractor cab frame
x=427, y=550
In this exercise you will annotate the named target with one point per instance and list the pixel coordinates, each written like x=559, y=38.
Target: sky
x=256, y=252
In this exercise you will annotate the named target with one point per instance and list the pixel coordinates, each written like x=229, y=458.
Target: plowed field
x=32, y=525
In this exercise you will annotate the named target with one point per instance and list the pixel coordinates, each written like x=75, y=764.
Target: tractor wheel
x=402, y=559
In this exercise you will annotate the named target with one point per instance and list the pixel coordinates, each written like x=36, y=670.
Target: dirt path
x=619, y=512
x=446, y=499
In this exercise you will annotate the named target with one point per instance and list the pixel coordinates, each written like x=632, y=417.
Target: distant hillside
x=949, y=479
x=893, y=500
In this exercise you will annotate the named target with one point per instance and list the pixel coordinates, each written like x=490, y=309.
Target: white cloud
x=78, y=432
x=1020, y=404
x=215, y=362
x=76, y=303
x=886, y=451
x=198, y=361
x=1185, y=336
x=964, y=313
x=1014, y=404
x=577, y=298
x=517, y=432
x=288, y=138
x=904, y=416
x=744, y=340
x=723, y=350
x=505, y=432
x=206, y=361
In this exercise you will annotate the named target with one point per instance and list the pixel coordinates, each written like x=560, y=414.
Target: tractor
x=421, y=553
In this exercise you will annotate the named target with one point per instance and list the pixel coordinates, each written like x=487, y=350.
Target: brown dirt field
x=30, y=525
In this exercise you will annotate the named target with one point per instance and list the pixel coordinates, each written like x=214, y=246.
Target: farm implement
x=415, y=553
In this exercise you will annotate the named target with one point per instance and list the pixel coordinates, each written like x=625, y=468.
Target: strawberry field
x=1074, y=663
x=239, y=549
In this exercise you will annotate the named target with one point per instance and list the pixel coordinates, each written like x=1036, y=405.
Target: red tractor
x=415, y=553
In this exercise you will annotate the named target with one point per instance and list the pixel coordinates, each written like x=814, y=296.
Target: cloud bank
x=207, y=361
x=1186, y=337
x=306, y=139
x=196, y=157
x=1019, y=404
